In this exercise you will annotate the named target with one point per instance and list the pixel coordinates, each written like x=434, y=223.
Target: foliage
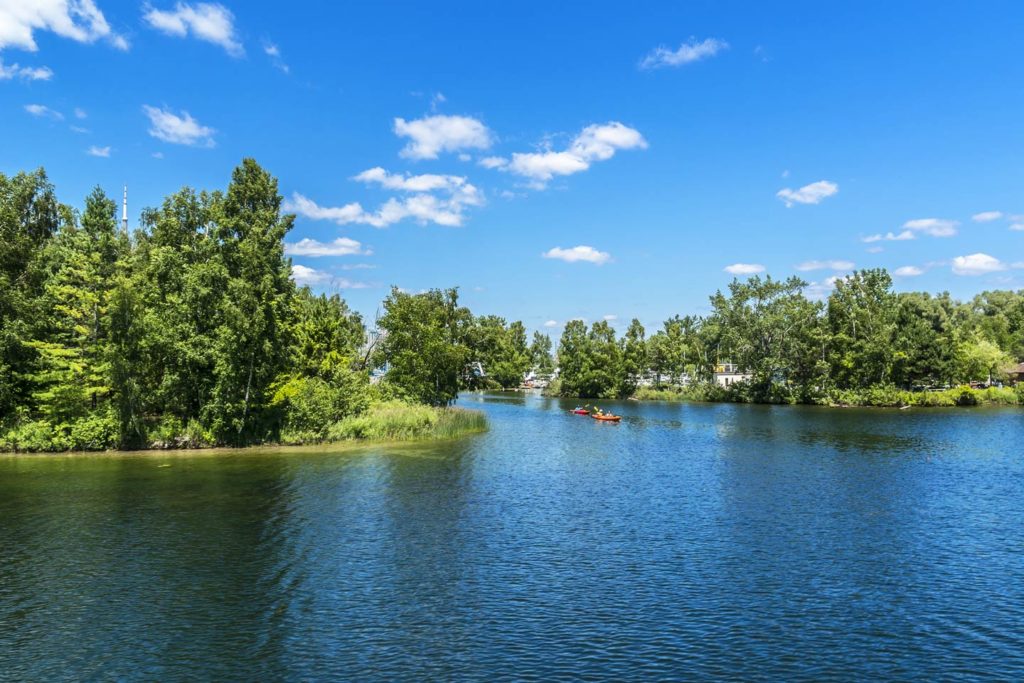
x=424, y=346
x=864, y=346
x=541, y=360
x=191, y=332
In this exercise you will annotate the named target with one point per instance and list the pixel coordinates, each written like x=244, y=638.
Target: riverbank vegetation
x=863, y=345
x=190, y=332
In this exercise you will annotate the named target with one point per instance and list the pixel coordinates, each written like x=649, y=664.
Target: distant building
x=727, y=374
x=1015, y=373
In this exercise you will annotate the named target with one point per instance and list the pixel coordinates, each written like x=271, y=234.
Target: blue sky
x=553, y=160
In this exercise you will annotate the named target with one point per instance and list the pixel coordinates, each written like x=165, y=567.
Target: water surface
x=689, y=541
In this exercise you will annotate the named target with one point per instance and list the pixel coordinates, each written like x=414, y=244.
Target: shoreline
x=255, y=449
x=882, y=397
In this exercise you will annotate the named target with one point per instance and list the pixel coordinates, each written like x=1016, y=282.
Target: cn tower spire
x=124, y=211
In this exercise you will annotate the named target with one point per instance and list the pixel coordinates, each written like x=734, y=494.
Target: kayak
x=607, y=418
x=581, y=411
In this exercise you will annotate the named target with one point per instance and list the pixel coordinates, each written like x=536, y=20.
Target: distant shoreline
x=877, y=397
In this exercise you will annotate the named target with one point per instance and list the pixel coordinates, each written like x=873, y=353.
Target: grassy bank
x=396, y=421
x=384, y=421
x=880, y=397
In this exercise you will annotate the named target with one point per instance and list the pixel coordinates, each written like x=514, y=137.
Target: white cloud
x=687, y=53
x=79, y=20
x=25, y=73
x=611, y=318
x=311, y=277
x=908, y=271
x=448, y=210
x=78, y=129
x=987, y=216
x=308, y=276
x=494, y=162
x=825, y=265
x=818, y=291
x=596, y=142
x=1017, y=226
x=157, y=155
x=80, y=113
x=302, y=205
x=808, y=194
x=95, y=151
x=343, y=246
x=936, y=227
x=427, y=182
x=178, y=129
x=977, y=264
x=424, y=208
x=210, y=22
x=43, y=112
x=744, y=269
x=578, y=253
x=551, y=323
x=889, y=237
x=432, y=135
x=274, y=52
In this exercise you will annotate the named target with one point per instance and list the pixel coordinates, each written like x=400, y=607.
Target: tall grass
x=399, y=421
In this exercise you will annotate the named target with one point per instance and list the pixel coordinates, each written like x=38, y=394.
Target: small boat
x=581, y=411
x=606, y=418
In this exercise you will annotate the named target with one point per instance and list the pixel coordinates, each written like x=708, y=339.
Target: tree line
x=191, y=331
x=863, y=337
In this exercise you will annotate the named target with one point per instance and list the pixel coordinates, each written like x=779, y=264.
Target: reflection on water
x=689, y=541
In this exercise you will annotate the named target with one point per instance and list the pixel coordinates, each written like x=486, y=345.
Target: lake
x=689, y=541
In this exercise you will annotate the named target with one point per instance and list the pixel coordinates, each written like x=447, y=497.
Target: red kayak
x=607, y=418
x=581, y=411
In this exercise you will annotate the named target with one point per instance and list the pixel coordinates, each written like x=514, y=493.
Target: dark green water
x=688, y=542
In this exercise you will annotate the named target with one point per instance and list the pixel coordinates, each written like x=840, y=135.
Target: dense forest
x=864, y=345
x=191, y=332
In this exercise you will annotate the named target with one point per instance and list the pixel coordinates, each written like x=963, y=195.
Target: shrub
x=95, y=432
x=311, y=405
x=30, y=436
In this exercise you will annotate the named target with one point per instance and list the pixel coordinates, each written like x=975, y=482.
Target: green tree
x=424, y=347
x=251, y=345
x=326, y=334
x=981, y=359
x=513, y=358
x=29, y=217
x=73, y=374
x=573, y=357
x=634, y=358
x=862, y=313
x=541, y=361
x=771, y=331
x=924, y=343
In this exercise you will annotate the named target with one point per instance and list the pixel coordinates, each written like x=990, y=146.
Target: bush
x=93, y=432
x=169, y=432
x=31, y=437
x=96, y=432
x=311, y=405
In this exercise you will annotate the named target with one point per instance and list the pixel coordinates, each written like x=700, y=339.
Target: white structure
x=727, y=374
x=124, y=211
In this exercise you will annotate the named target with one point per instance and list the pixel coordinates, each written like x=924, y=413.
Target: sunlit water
x=689, y=541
